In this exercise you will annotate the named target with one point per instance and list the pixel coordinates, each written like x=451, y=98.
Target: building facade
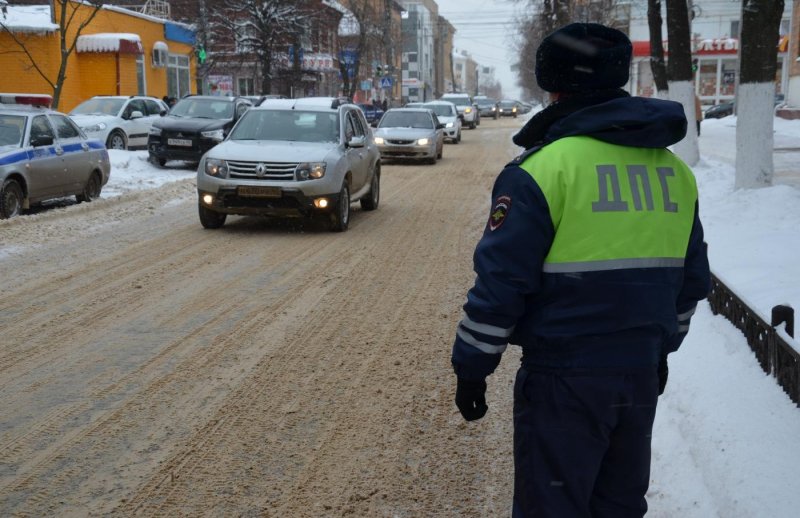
x=119, y=52
x=715, y=43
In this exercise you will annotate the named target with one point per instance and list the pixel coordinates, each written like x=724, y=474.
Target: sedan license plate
x=258, y=192
x=179, y=142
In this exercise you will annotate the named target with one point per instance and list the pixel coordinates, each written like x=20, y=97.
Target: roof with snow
x=29, y=19
x=125, y=43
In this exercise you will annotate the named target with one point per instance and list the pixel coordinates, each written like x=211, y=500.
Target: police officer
x=593, y=261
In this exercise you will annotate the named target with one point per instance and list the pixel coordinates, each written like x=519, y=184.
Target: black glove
x=663, y=373
x=471, y=399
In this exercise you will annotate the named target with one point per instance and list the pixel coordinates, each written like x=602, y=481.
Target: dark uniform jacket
x=593, y=256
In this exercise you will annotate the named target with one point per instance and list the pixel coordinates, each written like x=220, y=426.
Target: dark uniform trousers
x=582, y=442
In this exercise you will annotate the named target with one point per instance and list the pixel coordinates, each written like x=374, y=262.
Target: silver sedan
x=410, y=133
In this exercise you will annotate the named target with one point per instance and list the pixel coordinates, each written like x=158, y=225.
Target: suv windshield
x=401, y=119
x=203, y=108
x=458, y=101
x=441, y=110
x=99, y=106
x=287, y=125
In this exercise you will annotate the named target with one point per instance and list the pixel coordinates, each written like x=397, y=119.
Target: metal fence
x=776, y=356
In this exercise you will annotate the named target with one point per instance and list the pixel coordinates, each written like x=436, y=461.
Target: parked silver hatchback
x=292, y=158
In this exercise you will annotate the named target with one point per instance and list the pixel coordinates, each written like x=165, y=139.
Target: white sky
x=486, y=30
x=725, y=442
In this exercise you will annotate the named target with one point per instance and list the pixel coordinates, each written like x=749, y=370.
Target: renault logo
x=261, y=170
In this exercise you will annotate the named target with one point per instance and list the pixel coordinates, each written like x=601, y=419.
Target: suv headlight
x=467, y=110
x=94, y=128
x=218, y=168
x=310, y=170
x=449, y=125
x=218, y=135
x=156, y=132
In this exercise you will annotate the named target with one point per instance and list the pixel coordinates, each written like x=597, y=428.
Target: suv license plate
x=179, y=142
x=258, y=192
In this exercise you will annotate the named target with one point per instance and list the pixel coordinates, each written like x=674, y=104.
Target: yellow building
x=118, y=52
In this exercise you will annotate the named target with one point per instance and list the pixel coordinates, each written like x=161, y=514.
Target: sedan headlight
x=218, y=168
x=449, y=125
x=379, y=140
x=493, y=108
x=310, y=170
x=218, y=135
x=423, y=142
x=94, y=128
x=156, y=132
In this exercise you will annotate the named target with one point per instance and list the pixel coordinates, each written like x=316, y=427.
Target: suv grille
x=266, y=171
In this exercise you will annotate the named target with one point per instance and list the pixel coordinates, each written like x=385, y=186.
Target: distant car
x=487, y=107
x=447, y=113
x=413, y=105
x=44, y=155
x=508, y=108
x=292, y=158
x=371, y=112
x=193, y=126
x=122, y=122
x=719, y=111
x=410, y=133
x=466, y=110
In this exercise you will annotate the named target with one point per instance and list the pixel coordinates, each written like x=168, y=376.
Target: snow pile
x=29, y=19
x=107, y=42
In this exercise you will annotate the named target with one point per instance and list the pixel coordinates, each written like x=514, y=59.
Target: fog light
x=321, y=203
x=208, y=199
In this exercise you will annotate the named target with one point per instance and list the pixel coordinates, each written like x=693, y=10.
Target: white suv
x=292, y=158
x=466, y=109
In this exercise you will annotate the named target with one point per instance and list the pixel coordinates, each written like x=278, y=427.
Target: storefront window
x=727, y=85
x=141, y=85
x=246, y=86
x=707, y=78
x=178, y=76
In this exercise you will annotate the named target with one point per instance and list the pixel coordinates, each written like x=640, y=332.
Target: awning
x=160, y=45
x=124, y=43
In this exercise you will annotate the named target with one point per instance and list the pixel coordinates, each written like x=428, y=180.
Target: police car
x=44, y=155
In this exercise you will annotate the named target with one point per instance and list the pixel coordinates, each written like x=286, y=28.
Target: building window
x=141, y=83
x=178, y=76
x=246, y=86
x=412, y=57
x=244, y=39
x=734, y=28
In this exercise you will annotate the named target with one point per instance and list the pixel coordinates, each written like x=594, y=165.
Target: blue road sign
x=386, y=82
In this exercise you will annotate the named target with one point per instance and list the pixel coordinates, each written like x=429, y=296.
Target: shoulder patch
x=525, y=154
x=499, y=212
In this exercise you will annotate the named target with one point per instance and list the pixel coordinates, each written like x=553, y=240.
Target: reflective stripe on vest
x=612, y=206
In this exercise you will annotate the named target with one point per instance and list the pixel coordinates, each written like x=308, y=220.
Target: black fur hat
x=581, y=57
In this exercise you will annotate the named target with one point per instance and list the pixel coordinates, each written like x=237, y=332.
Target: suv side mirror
x=357, y=141
x=42, y=140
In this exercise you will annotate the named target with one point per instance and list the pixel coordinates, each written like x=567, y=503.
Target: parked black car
x=193, y=126
x=719, y=111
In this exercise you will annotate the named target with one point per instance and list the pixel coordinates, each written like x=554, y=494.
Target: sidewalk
x=725, y=441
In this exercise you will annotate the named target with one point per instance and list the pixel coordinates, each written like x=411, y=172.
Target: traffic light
x=201, y=55
x=695, y=62
x=378, y=70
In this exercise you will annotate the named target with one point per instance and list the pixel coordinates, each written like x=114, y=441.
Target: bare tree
x=71, y=24
x=260, y=27
x=657, y=63
x=755, y=92
x=679, y=69
x=360, y=36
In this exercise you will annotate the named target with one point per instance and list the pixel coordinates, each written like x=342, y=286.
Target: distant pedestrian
x=384, y=105
x=592, y=260
x=698, y=113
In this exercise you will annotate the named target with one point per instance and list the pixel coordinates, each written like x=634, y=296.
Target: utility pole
x=202, y=71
